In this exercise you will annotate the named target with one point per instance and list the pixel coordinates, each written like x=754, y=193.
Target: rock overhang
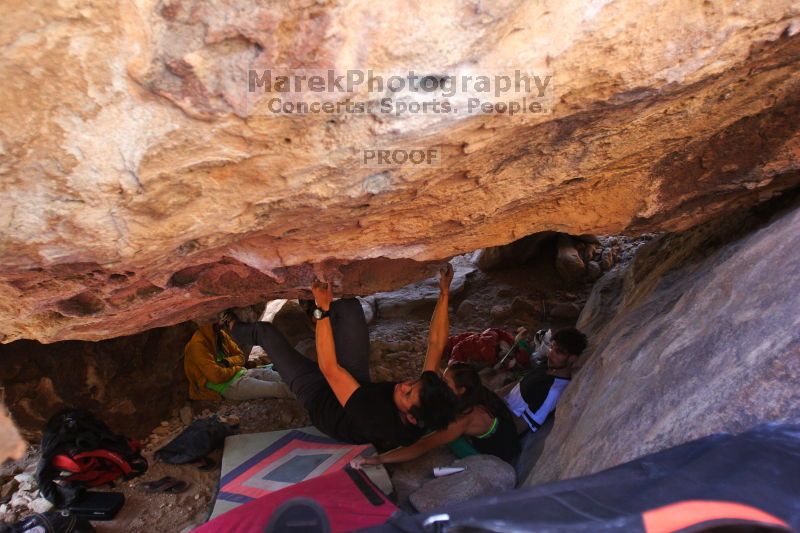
x=148, y=195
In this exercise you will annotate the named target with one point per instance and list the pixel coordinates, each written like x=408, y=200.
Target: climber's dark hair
x=437, y=403
x=571, y=340
x=475, y=393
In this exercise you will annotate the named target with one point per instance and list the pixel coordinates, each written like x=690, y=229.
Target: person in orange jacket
x=216, y=368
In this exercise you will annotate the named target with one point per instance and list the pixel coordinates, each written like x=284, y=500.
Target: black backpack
x=79, y=451
x=195, y=442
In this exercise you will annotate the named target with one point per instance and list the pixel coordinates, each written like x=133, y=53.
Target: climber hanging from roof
x=483, y=425
x=337, y=391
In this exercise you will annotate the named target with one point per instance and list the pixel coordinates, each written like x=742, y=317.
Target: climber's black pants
x=350, y=336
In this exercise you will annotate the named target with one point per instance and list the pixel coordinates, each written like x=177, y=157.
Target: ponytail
x=475, y=393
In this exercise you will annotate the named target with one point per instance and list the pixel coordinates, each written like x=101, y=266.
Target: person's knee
x=265, y=374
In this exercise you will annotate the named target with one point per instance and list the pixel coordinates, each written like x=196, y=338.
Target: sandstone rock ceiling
x=139, y=189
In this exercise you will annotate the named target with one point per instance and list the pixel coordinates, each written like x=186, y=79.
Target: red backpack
x=78, y=451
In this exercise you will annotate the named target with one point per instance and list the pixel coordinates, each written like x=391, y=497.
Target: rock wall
x=11, y=444
x=131, y=383
x=700, y=334
x=138, y=188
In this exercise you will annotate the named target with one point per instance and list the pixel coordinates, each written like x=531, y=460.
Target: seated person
x=483, y=419
x=337, y=392
x=537, y=394
x=215, y=367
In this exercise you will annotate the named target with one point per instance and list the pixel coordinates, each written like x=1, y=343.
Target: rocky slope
x=699, y=334
x=139, y=187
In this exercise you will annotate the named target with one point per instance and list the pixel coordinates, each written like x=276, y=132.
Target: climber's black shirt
x=370, y=416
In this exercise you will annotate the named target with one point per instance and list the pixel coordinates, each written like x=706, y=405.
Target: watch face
x=317, y=313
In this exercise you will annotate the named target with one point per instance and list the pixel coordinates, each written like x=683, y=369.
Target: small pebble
x=40, y=505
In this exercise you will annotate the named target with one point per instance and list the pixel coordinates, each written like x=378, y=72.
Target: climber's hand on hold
x=323, y=294
x=445, y=277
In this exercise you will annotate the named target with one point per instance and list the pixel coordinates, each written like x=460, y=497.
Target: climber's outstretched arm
x=341, y=381
x=440, y=322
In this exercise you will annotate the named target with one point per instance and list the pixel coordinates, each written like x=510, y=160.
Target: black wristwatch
x=320, y=313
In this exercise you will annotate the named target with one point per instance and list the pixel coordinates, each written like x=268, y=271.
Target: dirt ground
x=509, y=298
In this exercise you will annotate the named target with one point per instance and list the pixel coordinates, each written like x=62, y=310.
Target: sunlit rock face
x=140, y=186
x=11, y=444
x=698, y=335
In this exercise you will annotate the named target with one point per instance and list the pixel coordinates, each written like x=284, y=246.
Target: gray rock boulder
x=293, y=322
x=483, y=474
x=607, y=259
x=410, y=476
x=368, y=306
x=466, y=309
x=569, y=265
x=419, y=299
x=593, y=270
x=513, y=254
x=698, y=336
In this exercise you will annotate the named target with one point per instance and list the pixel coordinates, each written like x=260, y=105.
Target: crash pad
x=258, y=464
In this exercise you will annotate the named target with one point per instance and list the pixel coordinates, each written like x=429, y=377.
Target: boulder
x=607, y=259
x=698, y=335
x=185, y=415
x=368, y=305
x=26, y=481
x=418, y=300
x=593, y=270
x=499, y=313
x=20, y=499
x=8, y=488
x=11, y=444
x=590, y=239
x=250, y=313
x=569, y=264
x=588, y=251
x=40, y=505
x=293, y=322
x=482, y=475
x=513, y=254
x=522, y=307
x=466, y=309
x=603, y=303
x=410, y=476
x=150, y=185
